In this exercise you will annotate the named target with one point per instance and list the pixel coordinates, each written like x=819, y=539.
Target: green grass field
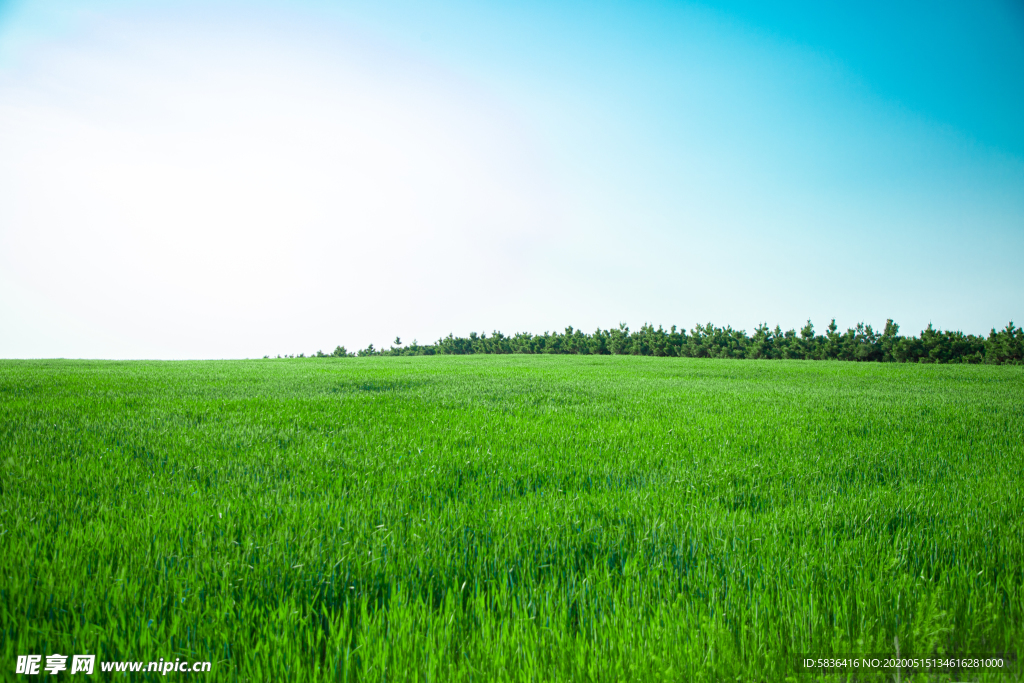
x=510, y=517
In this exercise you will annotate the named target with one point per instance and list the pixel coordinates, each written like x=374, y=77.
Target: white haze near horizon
x=243, y=197
x=175, y=188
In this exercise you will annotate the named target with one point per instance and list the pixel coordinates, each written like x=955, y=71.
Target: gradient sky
x=223, y=180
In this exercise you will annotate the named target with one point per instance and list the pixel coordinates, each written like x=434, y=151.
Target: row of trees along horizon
x=860, y=343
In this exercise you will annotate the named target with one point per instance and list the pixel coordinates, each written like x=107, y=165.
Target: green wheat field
x=511, y=517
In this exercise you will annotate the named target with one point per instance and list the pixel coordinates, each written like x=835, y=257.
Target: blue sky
x=225, y=180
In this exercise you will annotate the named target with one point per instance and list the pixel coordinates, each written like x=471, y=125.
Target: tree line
x=860, y=343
